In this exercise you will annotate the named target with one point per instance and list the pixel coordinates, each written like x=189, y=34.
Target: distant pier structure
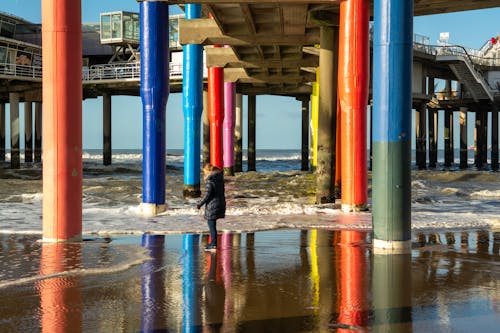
x=313, y=51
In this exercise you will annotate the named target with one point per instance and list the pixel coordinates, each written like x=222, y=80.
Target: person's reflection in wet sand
x=214, y=295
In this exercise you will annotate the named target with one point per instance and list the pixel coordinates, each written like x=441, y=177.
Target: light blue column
x=192, y=105
x=392, y=70
x=191, y=288
x=154, y=45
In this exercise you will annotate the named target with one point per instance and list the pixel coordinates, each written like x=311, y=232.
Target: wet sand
x=314, y=280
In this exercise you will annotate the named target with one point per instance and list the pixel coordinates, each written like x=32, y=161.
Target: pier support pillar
x=154, y=95
x=421, y=133
x=463, y=138
x=353, y=82
x=238, y=134
x=15, y=156
x=62, y=120
x=228, y=125
x=38, y=132
x=433, y=135
x=305, y=135
x=192, y=105
x=106, y=129
x=314, y=121
x=216, y=113
x=370, y=166
x=478, y=131
x=448, y=138
x=2, y=132
x=206, y=130
x=325, y=169
x=494, y=137
x=28, y=131
x=485, y=133
x=392, y=98
x=252, y=118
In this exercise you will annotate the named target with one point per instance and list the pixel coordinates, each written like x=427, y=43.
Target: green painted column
x=392, y=107
x=328, y=64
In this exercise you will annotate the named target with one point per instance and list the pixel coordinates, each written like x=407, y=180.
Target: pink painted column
x=228, y=127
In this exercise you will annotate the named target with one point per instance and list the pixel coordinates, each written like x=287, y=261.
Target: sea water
x=277, y=195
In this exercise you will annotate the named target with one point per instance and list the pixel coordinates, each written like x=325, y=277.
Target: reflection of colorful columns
x=192, y=105
x=226, y=245
x=153, y=285
x=191, y=292
x=60, y=297
x=353, y=78
x=392, y=66
x=154, y=94
x=353, y=309
x=313, y=253
x=62, y=120
x=216, y=113
x=228, y=125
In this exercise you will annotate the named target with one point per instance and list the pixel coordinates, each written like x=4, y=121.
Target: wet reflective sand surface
x=275, y=281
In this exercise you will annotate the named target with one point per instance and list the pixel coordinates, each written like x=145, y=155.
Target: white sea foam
x=489, y=194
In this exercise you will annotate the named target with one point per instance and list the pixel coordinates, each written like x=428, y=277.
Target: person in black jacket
x=214, y=201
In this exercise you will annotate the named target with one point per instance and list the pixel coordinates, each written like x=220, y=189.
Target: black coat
x=214, y=197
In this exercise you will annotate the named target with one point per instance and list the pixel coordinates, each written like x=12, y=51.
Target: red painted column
x=62, y=120
x=353, y=93
x=216, y=114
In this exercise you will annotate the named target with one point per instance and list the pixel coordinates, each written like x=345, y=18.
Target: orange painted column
x=353, y=77
x=62, y=120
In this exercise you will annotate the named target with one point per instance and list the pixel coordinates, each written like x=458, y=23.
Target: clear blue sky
x=470, y=29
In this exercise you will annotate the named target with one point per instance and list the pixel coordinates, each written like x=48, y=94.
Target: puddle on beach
x=274, y=281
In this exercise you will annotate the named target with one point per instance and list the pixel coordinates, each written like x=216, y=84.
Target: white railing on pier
x=26, y=72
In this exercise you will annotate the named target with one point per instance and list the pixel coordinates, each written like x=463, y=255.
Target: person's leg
x=212, y=226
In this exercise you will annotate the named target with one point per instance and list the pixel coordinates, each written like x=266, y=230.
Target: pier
x=268, y=48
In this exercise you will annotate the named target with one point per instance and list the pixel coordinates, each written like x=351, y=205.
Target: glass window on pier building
x=123, y=28
x=120, y=28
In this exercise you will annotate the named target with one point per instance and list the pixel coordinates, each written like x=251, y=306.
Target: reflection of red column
x=353, y=280
x=60, y=297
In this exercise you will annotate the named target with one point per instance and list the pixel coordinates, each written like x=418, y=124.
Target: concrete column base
x=348, y=208
x=149, y=209
x=391, y=247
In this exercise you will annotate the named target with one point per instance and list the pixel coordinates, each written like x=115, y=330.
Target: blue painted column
x=154, y=93
x=191, y=288
x=192, y=104
x=392, y=70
